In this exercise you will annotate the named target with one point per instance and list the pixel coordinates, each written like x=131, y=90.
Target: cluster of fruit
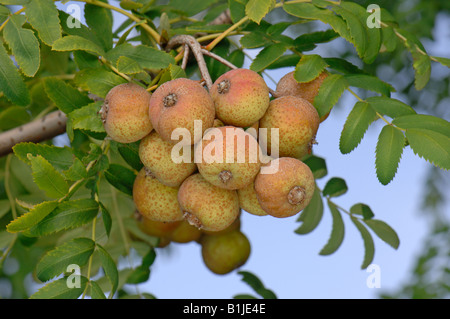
x=204, y=161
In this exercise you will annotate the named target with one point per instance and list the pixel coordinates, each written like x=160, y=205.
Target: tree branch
x=45, y=128
x=196, y=50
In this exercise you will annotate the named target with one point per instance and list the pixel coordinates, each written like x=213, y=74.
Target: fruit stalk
x=196, y=50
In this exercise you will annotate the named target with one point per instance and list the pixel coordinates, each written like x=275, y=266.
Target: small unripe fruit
x=125, y=113
x=307, y=90
x=241, y=97
x=176, y=104
x=230, y=157
x=206, y=206
x=155, y=200
x=297, y=121
x=226, y=252
x=248, y=200
x=154, y=228
x=156, y=154
x=287, y=191
x=185, y=233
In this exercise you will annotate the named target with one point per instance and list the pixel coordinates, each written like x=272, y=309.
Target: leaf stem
x=224, y=34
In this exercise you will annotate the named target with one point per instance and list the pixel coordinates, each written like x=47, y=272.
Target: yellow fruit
x=241, y=97
x=176, y=104
x=287, y=191
x=248, y=200
x=206, y=206
x=230, y=157
x=185, y=233
x=297, y=122
x=155, y=200
x=125, y=113
x=156, y=155
x=308, y=90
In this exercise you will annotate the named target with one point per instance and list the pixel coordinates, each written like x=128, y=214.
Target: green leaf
x=308, y=41
x=267, y=56
x=11, y=82
x=76, y=251
x=358, y=33
x=43, y=17
x=430, y=145
x=356, y=125
x=337, y=231
x=130, y=153
x=255, y=39
x=390, y=107
x=146, y=56
x=59, y=289
x=121, y=178
x=47, y=177
x=59, y=157
x=310, y=11
x=96, y=291
x=373, y=35
x=384, y=232
x=5, y=207
x=244, y=296
x=106, y=217
x=31, y=218
x=343, y=66
x=110, y=268
x=76, y=172
x=363, y=210
x=87, y=118
x=335, y=187
x=422, y=121
x=14, y=116
x=309, y=67
x=68, y=215
x=421, y=60
x=100, y=21
x=257, y=9
x=142, y=273
x=23, y=44
x=66, y=97
x=370, y=83
x=311, y=215
x=369, y=247
x=257, y=285
x=317, y=165
x=443, y=61
x=75, y=42
x=330, y=91
x=191, y=7
x=388, y=153
x=98, y=81
x=237, y=10
x=128, y=66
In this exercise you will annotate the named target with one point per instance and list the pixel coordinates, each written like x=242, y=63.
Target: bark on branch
x=43, y=129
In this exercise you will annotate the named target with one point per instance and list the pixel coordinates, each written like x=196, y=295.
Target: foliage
x=78, y=210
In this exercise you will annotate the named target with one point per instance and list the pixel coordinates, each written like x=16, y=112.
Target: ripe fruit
x=297, y=121
x=287, y=191
x=155, y=200
x=185, y=233
x=206, y=206
x=229, y=157
x=308, y=90
x=226, y=252
x=125, y=113
x=176, y=104
x=156, y=154
x=241, y=97
x=248, y=200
